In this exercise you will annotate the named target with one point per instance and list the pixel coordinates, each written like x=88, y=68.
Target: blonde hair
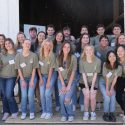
x=42, y=56
x=83, y=55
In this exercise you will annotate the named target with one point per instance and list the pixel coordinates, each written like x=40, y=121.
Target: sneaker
x=32, y=116
x=105, y=117
x=81, y=108
x=48, y=116
x=63, y=118
x=93, y=116
x=70, y=118
x=23, y=116
x=5, y=116
x=112, y=117
x=14, y=115
x=57, y=108
x=86, y=116
x=43, y=115
x=74, y=108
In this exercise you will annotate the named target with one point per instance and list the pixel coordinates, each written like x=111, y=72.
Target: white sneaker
x=63, y=118
x=74, y=108
x=81, y=108
x=86, y=116
x=32, y=116
x=5, y=116
x=14, y=115
x=57, y=108
x=23, y=116
x=70, y=118
x=48, y=116
x=43, y=115
x=93, y=116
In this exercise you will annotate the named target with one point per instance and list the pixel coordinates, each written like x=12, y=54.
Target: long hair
x=12, y=43
x=61, y=55
x=117, y=40
x=42, y=56
x=84, y=56
x=108, y=65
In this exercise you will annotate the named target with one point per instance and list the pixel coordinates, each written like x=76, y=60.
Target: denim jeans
x=66, y=109
x=109, y=101
x=46, y=94
x=28, y=92
x=9, y=102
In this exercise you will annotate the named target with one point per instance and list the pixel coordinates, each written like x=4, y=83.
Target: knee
x=48, y=94
x=67, y=101
x=106, y=98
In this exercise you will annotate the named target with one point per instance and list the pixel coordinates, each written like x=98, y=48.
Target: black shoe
x=106, y=117
x=112, y=117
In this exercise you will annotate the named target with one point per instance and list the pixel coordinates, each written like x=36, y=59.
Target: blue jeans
x=109, y=101
x=46, y=94
x=66, y=109
x=9, y=102
x=28, y=92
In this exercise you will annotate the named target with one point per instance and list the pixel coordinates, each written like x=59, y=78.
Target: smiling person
x=120, y=40
x=26, y=63
x=8, y=75
x=67, y=66
x=111, y=71
x=89, y=67
x=2, y=42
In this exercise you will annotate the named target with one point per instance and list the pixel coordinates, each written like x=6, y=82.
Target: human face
x=33, y=34
x=47, y=46
x=66, y=48
x=112, y=58
x=116, y=31
x=121, y=52
x=59, y=37
x=66, y=33
x=84, y=30
x=2, y=40
x=41, y=37
x=104, y=42
x=85, y=39
x=121, y=40
x=100, y=31
x=26, y=45
x=50, y=31
x=21, y=38
x=8, y=45
x=89, y=51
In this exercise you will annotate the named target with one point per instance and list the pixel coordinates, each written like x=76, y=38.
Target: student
x=67, y=65
x=111, y=71
x=20, y=39
x=50, y=32
x=8, y=76
x=120, y=40
x=2, y=41
x=89, y=67
x=26, y=63
x=47, y=77
x=120, y=85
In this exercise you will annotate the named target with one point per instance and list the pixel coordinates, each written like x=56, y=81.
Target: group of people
x=57, y=62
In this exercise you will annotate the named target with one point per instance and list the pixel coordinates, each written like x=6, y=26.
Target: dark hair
x=61, y=55
x=84, y=26
x=3, y=36
x=51, y=26
x=103, y=36
x=108, y=65
x=117, y=25
x=99, y=26
x=122, y=34
x=66, y=28
x=55, y=41
x=32, y=28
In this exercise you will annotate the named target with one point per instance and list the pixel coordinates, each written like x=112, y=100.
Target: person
x=120, y=40
x=111, y=71
x=8, y=75
x=89, y=67
x=50, y=32
x=100, y=29
x=47, y=76
x=67, y=66
x=120, y=85
x=2, y=41
x=27, y=62
x=20, y=39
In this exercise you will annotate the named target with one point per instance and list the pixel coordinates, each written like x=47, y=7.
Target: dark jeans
x=120, y=93
x=9, y=102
